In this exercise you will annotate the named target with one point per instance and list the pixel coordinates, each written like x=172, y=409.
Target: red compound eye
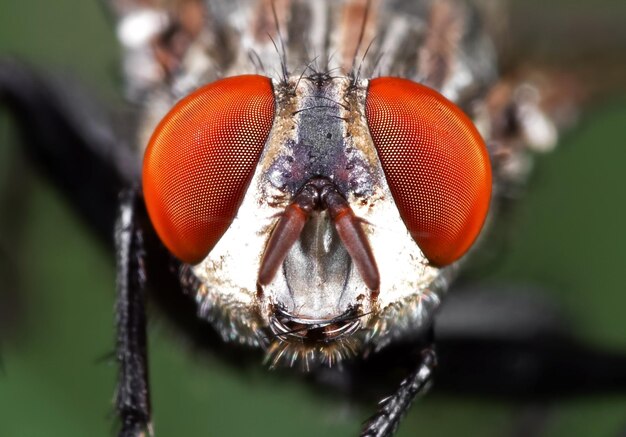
x=435, y=162
x=200, y=160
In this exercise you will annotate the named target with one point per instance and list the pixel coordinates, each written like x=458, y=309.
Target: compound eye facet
x=200, y=160
x=435, y=162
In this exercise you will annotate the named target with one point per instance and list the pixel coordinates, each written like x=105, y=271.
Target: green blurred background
x=568, y=237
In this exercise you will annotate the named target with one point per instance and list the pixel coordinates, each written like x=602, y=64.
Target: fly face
x=322, y=214
x=316, y=297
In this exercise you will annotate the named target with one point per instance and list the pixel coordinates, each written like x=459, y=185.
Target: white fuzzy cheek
x=231, y=268
x=404, y=270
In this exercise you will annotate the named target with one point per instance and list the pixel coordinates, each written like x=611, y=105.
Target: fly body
x=358, y=189
x=340, y=108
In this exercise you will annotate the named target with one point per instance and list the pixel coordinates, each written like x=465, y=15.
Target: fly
x=315, y=174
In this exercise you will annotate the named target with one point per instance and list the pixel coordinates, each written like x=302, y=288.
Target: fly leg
x=69, y=137
x=392, y=409
x=133, y=392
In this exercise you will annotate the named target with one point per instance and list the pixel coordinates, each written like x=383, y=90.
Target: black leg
x=392, y=409
x=133, y=393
